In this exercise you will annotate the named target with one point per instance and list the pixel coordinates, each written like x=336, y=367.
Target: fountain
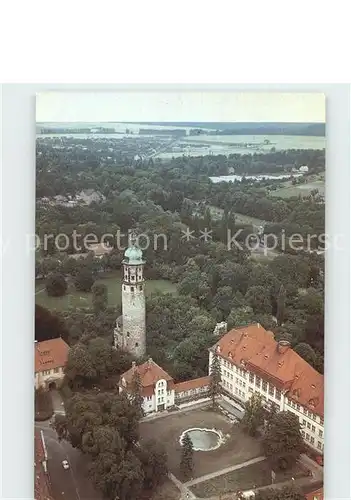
x=204, y=439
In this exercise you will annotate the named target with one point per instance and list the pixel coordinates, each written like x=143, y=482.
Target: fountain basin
x=204, y=439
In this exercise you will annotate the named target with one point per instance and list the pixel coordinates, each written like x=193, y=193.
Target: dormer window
x=230, y=355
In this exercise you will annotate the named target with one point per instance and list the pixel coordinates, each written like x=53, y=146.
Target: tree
x=56, y=285
x=281, y=305
x=100, y=297
x=259, y=299
x=186, y=459
x=84, y=280
x=95, y=362
x=254, y=414
x=215, y=378
x=136, y=388
x=283, y=442
x=285, y=493
x=153, y=458
x=306, y=352
x=48, y=325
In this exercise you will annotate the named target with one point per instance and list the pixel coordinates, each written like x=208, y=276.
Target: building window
x=271, y=390
x=308, y=425
x=304, y=423
x=250, y=389
x=264, y=385
x=321, y=421
x=251, y=378
x=307, y=437
x=312, y=440
x=132, y=288
x=313, y=428
x=56, y=370
x=320, y=433
x=132, y=277
x=303, y=434
x=124, y=287
x=148, y=398
x=314, y=417
x=258, y=381
x=136, y=344
x=319, y=445
x=140, y=287
x=278, y=394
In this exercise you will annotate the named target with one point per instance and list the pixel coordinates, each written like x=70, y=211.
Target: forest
x=214, y=282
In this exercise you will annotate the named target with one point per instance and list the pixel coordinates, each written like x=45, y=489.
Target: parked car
x=65, y=464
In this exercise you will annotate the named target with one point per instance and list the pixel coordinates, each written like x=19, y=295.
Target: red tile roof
x=50, y=354
x=41, y=482
x=255, y=348
x=192, y=384
x=150, y=373
x=315, y=495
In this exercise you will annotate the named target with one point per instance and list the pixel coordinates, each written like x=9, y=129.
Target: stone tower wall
x=134, y=318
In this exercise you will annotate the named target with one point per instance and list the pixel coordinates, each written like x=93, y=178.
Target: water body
x=259, y=177
x=203, y=439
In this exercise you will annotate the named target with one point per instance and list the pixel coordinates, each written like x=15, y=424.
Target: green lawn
x=241, y=218
x=75, y=299
x=304, y=189
x=247, y=478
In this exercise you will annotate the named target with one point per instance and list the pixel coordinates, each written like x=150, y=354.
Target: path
x=221, y=472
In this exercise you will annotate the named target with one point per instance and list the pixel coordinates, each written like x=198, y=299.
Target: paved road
x=71, y=484
x=57, y=401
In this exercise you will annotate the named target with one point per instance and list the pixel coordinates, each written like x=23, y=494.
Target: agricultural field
x=288, y=190
x=76, y=299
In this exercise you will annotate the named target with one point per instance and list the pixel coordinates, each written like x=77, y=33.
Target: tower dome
x=133, y=255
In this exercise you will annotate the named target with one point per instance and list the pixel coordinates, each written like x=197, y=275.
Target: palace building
x=252, y=361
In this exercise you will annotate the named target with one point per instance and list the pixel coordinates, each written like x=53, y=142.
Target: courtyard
x=237, y=448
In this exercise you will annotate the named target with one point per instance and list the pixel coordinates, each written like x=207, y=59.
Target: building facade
x=50, y=359
x=253, y=362
x=158, y=389
x=130, y=330
x=157, y=386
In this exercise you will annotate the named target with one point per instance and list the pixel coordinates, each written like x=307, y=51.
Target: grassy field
x=237, y=448
x=288, y=190
x=241, y=218
x=74, y=299
x=247, y=478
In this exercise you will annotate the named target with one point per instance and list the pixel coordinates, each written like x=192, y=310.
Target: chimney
x=283, y=346
x=149, y=361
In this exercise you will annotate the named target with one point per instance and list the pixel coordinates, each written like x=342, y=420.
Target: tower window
x=140, y=287
x=132, y=277
x=132, y=288
x=124, y=287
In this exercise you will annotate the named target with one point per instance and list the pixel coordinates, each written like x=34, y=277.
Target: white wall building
x=50, y=359
x=157, y=387
x=252, y=361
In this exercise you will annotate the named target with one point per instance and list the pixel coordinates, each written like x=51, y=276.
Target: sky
x=185, y=106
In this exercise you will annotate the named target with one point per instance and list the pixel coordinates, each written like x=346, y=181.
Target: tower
x=130, y=331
